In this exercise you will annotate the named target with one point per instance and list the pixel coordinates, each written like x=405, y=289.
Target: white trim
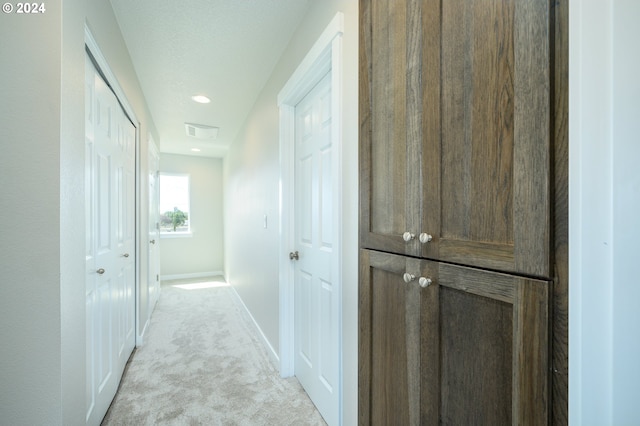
x=170, y=235
x=191, y=275
x=110, y=78
x=273, y=356
x=325, y=56
x=315, y=64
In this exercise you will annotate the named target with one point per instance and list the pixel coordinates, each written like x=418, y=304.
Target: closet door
x=110, y=242
x=391, y=131
x=488, y=144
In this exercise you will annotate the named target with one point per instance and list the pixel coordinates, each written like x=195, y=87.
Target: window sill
x=176, y=234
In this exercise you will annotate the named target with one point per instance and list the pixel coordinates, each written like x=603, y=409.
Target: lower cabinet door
x=448, y=344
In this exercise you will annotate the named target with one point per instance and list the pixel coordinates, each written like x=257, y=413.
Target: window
x=175, y=214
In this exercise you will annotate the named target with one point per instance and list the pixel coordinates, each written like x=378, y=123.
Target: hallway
x=203, y=363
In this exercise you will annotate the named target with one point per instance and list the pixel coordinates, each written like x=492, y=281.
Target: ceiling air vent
x=201, y=131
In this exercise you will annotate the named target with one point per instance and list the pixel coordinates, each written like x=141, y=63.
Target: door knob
x=425, y=238
x=407, y=277
x=152, y=241
x=424, y=282
x=408, y=236
x=294, y=255
x=100, y=271
x=125, y=255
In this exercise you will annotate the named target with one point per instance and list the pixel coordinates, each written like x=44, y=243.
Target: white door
x=110, y=243
x=316, y=360
x=154, y=226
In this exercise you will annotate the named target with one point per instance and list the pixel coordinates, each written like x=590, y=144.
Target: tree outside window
x=175, y=216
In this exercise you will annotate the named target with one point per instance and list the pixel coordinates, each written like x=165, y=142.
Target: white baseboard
x=192, y=275
x=273, y=356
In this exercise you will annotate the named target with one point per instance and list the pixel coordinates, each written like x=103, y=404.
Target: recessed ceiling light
x=195, y=149
x=201, y=99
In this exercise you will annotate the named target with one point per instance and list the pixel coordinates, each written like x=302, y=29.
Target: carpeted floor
x=202, y=364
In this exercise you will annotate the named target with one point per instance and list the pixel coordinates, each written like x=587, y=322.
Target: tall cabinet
x=462, y=288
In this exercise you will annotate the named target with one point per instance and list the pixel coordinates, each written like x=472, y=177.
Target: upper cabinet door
x=391, y=129
x=494, y=141
x=455, y=131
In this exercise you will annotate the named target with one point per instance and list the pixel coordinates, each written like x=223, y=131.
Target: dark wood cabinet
x=455, y=116
x=462, y=178
x=468, y=346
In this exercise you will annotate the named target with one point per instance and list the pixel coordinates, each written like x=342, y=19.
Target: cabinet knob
x=408, y=236
x=407, y=277
x=424, y=282
x=100, y=271
x=425, y=238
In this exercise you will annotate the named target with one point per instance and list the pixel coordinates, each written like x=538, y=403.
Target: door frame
x=325, y=56
x=91, y=45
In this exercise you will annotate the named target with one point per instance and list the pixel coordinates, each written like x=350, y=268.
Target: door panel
x=470, y=348
x=316, y=316
x=455, y=131
x=399, y=342
x=477, y=347
x=391, y=124
x=110, y=243
x=495, y=163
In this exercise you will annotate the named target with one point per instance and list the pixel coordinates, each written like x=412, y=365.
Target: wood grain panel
x=391, y=129
x=491, y=122
x=482, y=283
x=478, y=253
x=399, y=335
x=394, y=361
x=477, y=108
x=388, y=142
x=532, y=124
x=560, y=360
x=495, y=149
x=456, y=143
x=476, y=359
x=531, y=354
x=431, y=143
x=430, y=346
x=364, y=338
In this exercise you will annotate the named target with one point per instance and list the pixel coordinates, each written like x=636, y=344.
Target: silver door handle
x=294, y=255
x=100, y=271
x=125, y=255
x=152, y=241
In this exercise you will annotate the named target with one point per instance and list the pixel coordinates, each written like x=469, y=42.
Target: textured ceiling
x=224, y=49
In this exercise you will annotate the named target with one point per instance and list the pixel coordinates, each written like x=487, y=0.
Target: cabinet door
x=398, y=341
x=491, y=158
x=470, y=348
x=455, y=131
x=390, y=124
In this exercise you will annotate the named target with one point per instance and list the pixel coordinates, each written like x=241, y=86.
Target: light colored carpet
x=202, y=363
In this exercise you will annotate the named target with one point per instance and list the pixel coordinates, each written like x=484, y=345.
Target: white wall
x=30, y=208
x=202, y=253
x=604, y=184
x=42, y=302
x=251, y=173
